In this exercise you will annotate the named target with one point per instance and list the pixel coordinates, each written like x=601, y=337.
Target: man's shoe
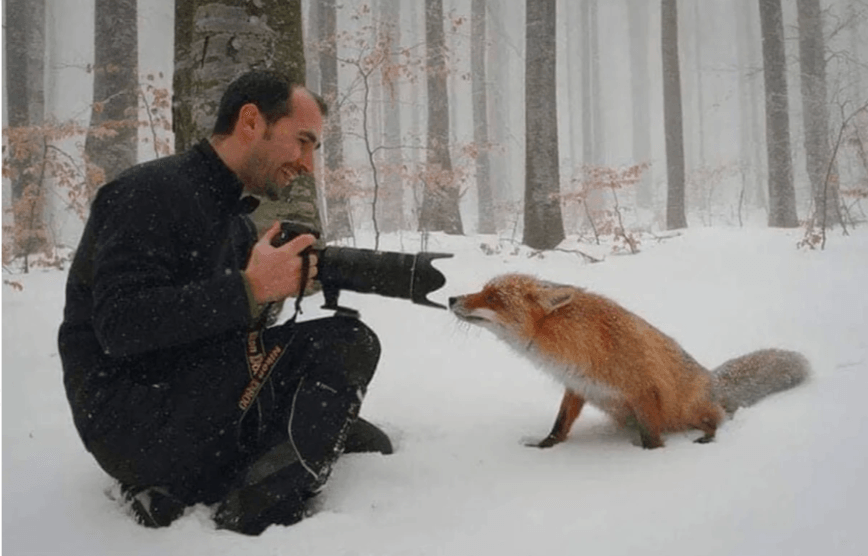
x=267, y=496
x=152, y=507
x=364, y=436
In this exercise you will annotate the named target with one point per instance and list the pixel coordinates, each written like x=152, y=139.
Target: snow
x=787, y=476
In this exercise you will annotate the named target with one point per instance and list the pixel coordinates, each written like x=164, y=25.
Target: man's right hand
x=274, y=273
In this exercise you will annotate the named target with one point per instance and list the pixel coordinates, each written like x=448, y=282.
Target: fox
x=613, y=359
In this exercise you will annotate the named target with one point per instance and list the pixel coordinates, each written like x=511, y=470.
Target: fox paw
x=546, y=442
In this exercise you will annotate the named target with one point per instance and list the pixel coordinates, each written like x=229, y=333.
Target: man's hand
x=275, y=273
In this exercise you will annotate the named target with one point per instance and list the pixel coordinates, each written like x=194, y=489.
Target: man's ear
x=248, y=120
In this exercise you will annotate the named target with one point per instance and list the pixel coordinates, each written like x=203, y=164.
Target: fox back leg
x=571, y=406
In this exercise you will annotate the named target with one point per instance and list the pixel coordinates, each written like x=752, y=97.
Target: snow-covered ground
x=788, y=476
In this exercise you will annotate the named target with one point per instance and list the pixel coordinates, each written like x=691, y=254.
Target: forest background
x=612, y=118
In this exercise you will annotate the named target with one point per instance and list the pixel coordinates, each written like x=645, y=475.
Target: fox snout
x=456, y=305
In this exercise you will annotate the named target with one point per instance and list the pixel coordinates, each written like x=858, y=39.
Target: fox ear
x=555, y=297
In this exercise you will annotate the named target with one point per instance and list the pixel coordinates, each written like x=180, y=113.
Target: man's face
x=285, y=149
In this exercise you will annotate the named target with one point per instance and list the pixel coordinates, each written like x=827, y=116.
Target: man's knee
x=359, y=348
x=341, y=345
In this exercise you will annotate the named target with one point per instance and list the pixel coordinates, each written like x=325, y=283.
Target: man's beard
x=272, y=190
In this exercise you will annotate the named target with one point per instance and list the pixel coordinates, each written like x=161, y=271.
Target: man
x=173, y=387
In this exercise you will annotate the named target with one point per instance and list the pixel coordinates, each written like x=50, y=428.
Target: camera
x=385, y=273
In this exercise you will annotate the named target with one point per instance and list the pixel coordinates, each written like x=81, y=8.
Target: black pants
x=188, y=434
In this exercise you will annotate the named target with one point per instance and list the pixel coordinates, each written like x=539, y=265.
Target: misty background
x=609, y=99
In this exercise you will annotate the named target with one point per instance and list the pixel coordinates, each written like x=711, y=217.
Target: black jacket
x=157, y=274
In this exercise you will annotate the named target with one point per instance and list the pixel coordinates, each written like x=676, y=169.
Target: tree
x=25, y=52
x=391, y=208
x=749, y=95
x=25, y=98
x=498, y=72
x=543, y=222
x=672, y=115
x=700, y=112
x=782, y=194
x=640, y=84
x=182, y=78
x=228, y=38
x=815, y=111
x=112, y=139
x=440, y=210
x=337, y=208
x=593, y=132
x=480, y=117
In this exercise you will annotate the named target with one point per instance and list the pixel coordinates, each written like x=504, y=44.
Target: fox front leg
x=571, y=406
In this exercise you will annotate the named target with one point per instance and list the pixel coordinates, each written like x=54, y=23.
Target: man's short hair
x=267, y=89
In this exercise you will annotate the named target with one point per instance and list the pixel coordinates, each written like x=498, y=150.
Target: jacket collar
x=222, y=183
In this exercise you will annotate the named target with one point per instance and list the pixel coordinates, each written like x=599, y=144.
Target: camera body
x=385, y=273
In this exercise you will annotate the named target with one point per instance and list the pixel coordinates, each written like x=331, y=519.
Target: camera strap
x=259, y=363
x=259, y=366
x=305, y=272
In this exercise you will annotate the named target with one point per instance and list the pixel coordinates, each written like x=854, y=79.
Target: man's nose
x=305, y=161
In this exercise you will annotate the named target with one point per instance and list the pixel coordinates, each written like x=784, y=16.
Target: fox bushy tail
x=743, y=381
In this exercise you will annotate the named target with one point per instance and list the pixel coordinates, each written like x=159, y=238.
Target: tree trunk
x=815, y=111
x=598, y=126
x=485, y=201
x=700, y=100
x=440, y=210
x=312, y=47
x=25, y=97
x=746, y=90
x=498, y=94
x=337, y=205
x=392, y=202
x=672, y=115
x=182, y=80
x=571, y=19
x=587, y=100
x=640, y=83
x=24, y=72
x=229, y=38
x=115, y=92
x=543, y=222
x=782, y=194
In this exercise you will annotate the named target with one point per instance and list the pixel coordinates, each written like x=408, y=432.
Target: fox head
x=512, y=305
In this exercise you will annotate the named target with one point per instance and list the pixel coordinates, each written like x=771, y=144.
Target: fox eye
x=491, y=298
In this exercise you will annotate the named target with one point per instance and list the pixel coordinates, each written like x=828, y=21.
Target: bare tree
x=228, y=38
x=480, y=117
x=640, y=84
x=337, y=208
x=391, y=208
x=748, y=84
x=24, y=72
x=498, y=71
x=782, y=194
x=543, y=222
x=675, y=204
x=312, y=45
x=593, y=138
x=112, y=140
x=815, y=110
x=440, y=210
x=182, y=78
x=700, y=92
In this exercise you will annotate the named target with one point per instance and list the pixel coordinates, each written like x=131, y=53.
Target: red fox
x=616, y=361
